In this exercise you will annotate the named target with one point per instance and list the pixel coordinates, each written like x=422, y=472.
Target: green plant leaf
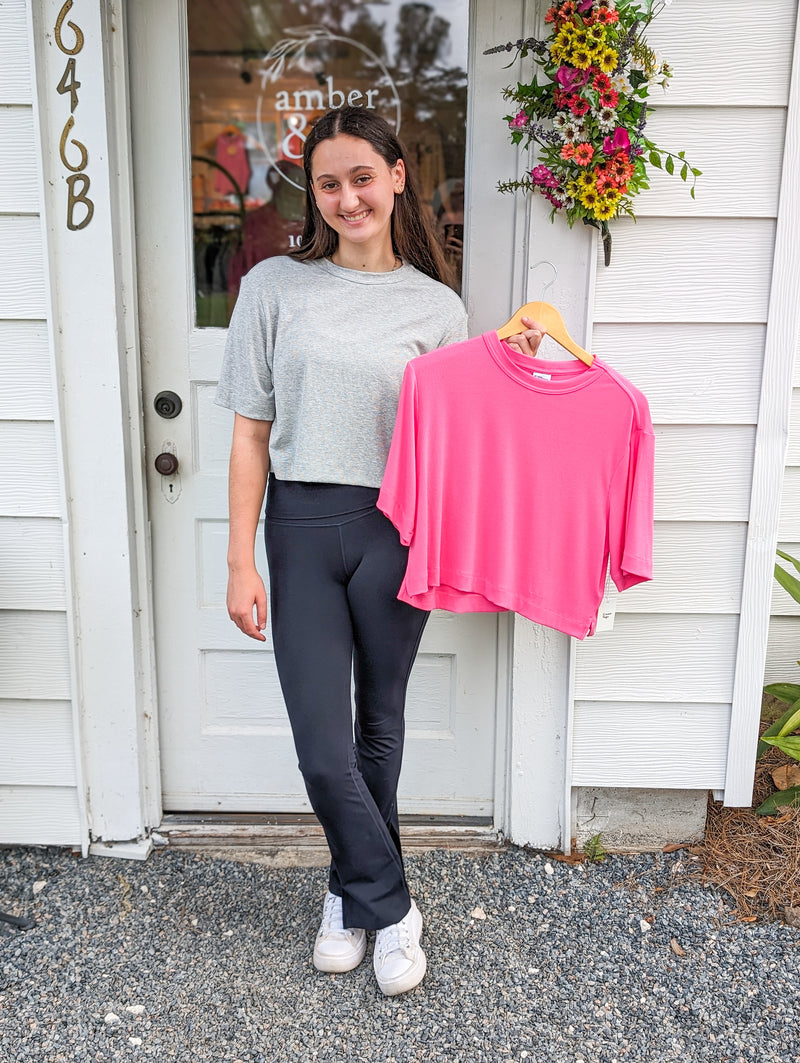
x=684, y=172
x=655, y=159
x=691, y=192
x=779, y=800
x=788, y=692
x=789, y=558
x=775, y=728
x=669, y=165
x=790, y=583
x=789, y=745
x=791, y=724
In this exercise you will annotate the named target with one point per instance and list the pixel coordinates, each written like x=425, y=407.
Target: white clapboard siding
x=659, y=658
x=16, y=83
x=29, y=472
x=697, y=568
x=32, y=564
x=36, y=749
x=26, y=372
x=726, y=188
x=691, y=374
x=39, y=815
x=650, y=745
x=782, y=602
x=687, y=269
x=793, y=450
x=735, y=53
x=702, y=472
x=789, y=527
x=783, y=650
x=34, y=655
x=22, y=268
x=19, y=188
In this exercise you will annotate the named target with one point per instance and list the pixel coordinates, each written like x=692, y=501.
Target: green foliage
x=780, y=733
x=780, y=799
x=594, y=850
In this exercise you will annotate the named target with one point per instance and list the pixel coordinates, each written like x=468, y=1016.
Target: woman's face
x=354, y=189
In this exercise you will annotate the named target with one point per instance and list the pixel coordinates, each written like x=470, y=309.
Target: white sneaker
x=398, y=960
x=337, y=949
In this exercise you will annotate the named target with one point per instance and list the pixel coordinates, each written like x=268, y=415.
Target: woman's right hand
x=247, y=603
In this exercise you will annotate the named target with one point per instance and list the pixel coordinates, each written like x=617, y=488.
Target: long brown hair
x=413, y=238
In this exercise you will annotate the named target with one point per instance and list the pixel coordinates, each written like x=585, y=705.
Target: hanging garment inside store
x=519, y=482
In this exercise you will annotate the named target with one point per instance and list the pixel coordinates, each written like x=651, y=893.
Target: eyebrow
x=352, y=170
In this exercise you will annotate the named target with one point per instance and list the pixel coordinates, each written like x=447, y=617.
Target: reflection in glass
x=262, y=72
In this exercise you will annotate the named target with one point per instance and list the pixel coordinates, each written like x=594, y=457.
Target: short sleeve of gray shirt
x=320, y=351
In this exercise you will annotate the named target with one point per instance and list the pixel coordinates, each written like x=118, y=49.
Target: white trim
x=138, y=849
x=94, y=305
x=772, y=434
x=39, y=120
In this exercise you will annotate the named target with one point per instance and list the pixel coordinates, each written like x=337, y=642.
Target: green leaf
x=789, y=558
x=790, y=583
x=779, y=800
x=681, y=154
x=655, y=159
x=684, y=172
x=789, y=745
x=791, y=724
x=776, y=728
x=691, y=192
x=669, y=165
x=788, y=692
x=697, y=173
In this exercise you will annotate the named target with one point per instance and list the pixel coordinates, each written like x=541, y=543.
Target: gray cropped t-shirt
x=320, y=351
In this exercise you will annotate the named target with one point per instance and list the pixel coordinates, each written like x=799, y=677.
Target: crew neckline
x=358, y=276
x=553, y=377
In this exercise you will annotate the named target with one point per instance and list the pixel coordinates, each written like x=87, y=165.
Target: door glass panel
x=262, y=72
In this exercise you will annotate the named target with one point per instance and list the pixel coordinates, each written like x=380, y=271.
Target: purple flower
x=586, y=5
x=619, y=142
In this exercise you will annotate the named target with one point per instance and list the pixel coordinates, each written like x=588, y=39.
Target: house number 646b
x=78, y=182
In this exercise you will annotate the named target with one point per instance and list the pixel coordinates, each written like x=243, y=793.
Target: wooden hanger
x=546, y=315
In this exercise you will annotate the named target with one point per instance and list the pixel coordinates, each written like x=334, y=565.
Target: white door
x=224, y=735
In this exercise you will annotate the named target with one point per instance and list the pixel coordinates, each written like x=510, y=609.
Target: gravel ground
x=194, y=959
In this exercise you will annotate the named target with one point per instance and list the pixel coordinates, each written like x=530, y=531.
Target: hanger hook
x=553, y=279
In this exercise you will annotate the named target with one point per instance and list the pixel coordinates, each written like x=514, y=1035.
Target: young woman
x=313, y=365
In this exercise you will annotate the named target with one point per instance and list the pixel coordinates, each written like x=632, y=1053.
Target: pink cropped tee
x=518, y=482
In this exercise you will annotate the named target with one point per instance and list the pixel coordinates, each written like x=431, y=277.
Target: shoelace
x=393, y=938
x=331, y=916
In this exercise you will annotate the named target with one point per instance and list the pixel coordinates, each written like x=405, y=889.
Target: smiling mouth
x=355, y=217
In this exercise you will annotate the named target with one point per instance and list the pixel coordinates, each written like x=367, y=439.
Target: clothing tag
x=608, y=607
x=542, y=376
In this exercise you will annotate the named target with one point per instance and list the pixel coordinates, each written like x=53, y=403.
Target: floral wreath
x=589, y=115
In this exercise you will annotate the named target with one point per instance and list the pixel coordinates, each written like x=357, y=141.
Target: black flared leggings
x=336, y=564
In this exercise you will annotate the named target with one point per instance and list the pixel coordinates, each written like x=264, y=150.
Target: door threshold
x=287, y=840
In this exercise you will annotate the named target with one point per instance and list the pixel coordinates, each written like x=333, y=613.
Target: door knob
x=166, y=464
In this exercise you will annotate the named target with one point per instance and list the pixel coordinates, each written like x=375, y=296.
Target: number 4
x=69, y=84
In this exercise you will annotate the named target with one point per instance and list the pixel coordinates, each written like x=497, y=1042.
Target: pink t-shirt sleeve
x=398, y=494
x=631, y=511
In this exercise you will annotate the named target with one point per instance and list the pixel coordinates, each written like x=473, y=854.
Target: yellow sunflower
x=606, y=207
x=607, y=60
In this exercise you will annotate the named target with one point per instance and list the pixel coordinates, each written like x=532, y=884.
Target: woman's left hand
x=527, y=342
